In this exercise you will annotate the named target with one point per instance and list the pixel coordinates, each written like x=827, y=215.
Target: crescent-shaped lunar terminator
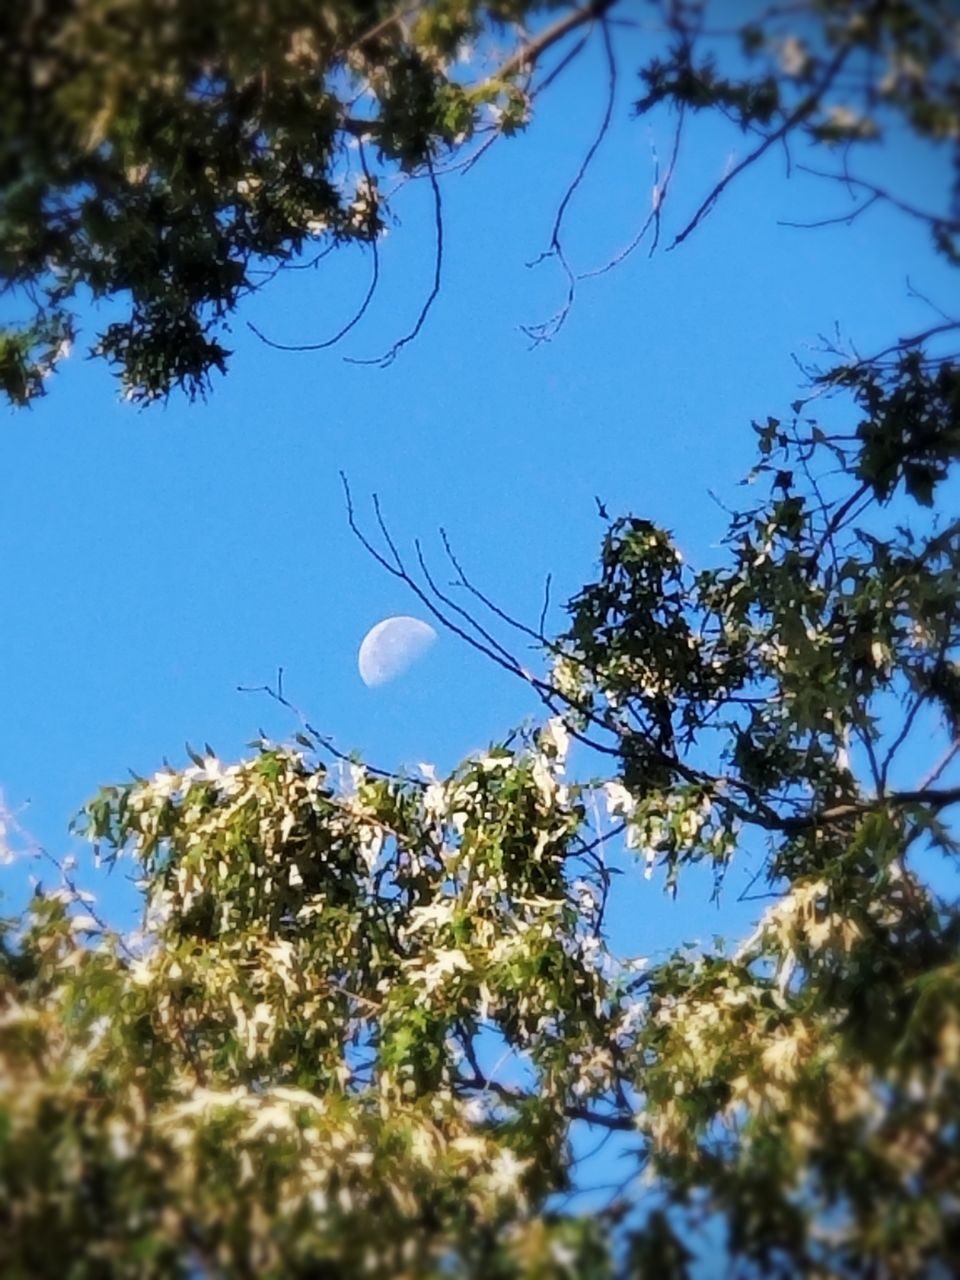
x=390, y=647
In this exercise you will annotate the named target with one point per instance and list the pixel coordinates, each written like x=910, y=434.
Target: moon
x=393, y=645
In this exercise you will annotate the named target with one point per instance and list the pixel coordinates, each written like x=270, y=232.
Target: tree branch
x=936, y=800
x=879, y=193
x=790, y=122
x=322, y=740
x=522, y=61
x=342, y=332
x=548, y=329
x=388, y=357
x=525, y=58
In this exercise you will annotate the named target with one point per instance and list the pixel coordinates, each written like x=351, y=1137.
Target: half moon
x=393, y=645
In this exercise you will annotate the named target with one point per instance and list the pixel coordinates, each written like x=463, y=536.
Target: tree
x=173, y=160
x=370, y=1018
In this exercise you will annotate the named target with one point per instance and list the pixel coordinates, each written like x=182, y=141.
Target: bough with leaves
x=173, y=160
x=369, y=1025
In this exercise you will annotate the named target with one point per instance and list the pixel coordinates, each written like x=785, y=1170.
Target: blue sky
x=152, y=561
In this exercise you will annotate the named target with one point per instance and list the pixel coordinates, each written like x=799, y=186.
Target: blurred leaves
x=172, y=158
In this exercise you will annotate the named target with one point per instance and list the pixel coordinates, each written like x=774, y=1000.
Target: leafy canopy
x=367, y=1023
x=373, y=1024
x=171, y=158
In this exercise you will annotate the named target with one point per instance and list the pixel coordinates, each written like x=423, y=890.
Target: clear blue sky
x=152, y=561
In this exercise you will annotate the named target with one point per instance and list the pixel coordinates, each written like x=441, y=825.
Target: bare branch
x=547, y=693
x=546, y=604
x=398, y=570
x=388, y=357
x=485, y=600
x=654, y=217
x=846, y=219
x=478, y=155
x=323, y=740
x=459, y=610
x=881, y=193
x=548, y=329
x=341, y=333
x=914, y=292
x=555, y=72
x=914, y=340
x=362, y=309
x=795, y=117
x=938, y=769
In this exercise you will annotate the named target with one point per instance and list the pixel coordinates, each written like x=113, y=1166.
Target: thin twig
x=881, y=193
x=904, y=344
x=458, y=609
x=397, y=569
x=388, y=357
x=342, y=332
x=323, y=740
x=361, y=310
x=546, y=604
x=548, y=694
x=914, y=292
x=846, y=219
x=938, y=769
x=555, y=72
x=485, y=600
x=795, y=117
x=548, y=329
x=908, y=722
x=654, y=217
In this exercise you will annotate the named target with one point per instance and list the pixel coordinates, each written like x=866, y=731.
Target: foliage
x=365, y=1025
x=371, y=1023
x=171, y=159
x=170, y=156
